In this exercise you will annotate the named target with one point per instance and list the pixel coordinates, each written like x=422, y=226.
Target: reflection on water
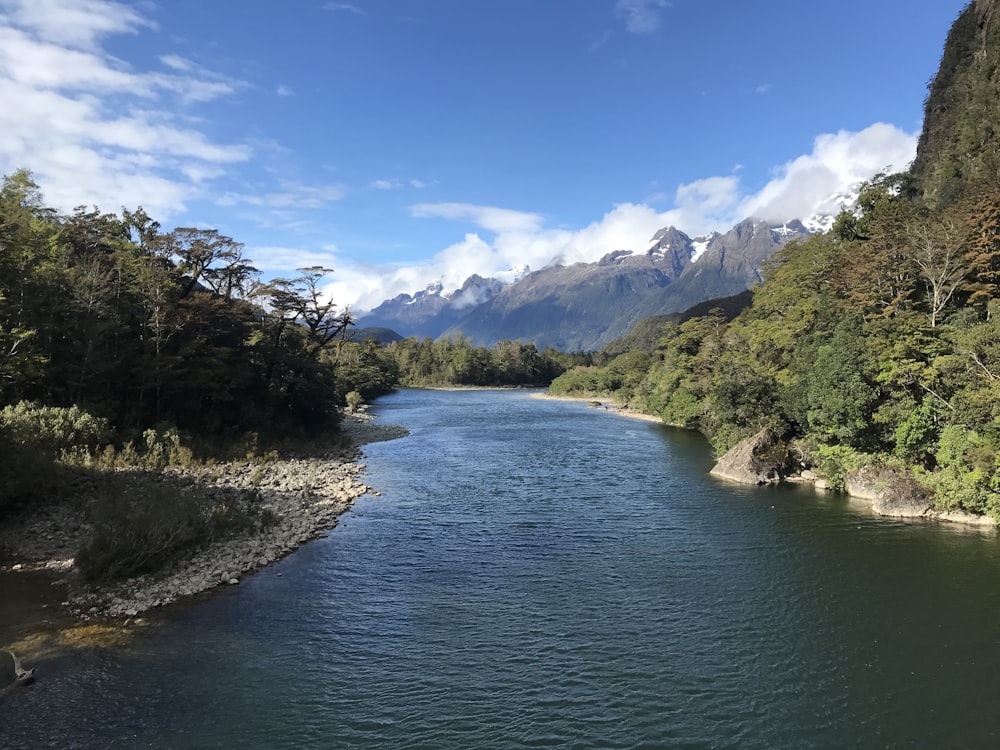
x=541, y=574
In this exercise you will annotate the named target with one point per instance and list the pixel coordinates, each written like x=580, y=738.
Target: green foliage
x=52, y=431
x=354, y=401
x=834, y=462
x=455, y=361
x=107, y=313
x=841, y=393
x=366, y=368
x=619, y=379
x=967, y=475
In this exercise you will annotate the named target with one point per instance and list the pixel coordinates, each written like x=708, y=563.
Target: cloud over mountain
x=505, y=238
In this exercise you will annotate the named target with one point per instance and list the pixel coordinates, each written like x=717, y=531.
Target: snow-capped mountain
x=585, y=305
x=821, y=221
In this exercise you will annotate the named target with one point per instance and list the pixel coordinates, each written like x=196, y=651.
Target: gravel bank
x=305, y=496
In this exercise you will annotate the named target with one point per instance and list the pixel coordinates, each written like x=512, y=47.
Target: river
x=543, y=574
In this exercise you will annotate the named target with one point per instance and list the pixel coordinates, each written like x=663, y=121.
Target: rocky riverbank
x=302, y=496
x=763, y=459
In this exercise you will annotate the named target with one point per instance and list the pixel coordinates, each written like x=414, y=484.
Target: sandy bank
x=602, y=402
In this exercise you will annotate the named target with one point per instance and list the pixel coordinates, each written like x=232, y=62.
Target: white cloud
x=642, y=16
x=598, y=43
x=74, y=23
x=800, y=186
x=284, y=261
x=292, y=194
x=494, y=219
x=285, y=91
x=176, y=62
x=93, y=130
x=344, y=7
x=397, y=184
x=797, y=189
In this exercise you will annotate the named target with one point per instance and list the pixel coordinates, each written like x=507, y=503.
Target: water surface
x=543, y=574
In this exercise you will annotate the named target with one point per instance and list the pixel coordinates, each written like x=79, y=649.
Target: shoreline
x=861, y=498
x=306, y=496
x=603, y=402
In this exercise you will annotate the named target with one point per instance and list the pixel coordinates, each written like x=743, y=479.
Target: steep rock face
x=574, y=307
x=730, y=263
x=961, y=134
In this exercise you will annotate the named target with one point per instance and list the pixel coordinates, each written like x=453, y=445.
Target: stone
x=760, y=459
x=892, y=492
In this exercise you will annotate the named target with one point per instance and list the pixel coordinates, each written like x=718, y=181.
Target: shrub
x=141, y=525
x=52, y=430
x=968, y=476
x=354, y=401
x=138, y=530
x=834, y=462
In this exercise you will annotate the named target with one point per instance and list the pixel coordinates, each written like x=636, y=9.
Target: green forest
x=878, y=343
x=123, y=345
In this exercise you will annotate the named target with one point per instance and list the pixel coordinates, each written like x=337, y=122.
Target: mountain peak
x=582, y=306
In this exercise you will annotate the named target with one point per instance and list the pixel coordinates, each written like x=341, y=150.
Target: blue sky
x=401, y=142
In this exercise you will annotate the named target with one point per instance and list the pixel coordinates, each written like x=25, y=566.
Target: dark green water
x=542, y=574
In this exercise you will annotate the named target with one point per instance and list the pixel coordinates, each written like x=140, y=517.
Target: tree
x=199, y=253
x=302, y=300
x=841, y=390
x=983, y=222
x=937, y=249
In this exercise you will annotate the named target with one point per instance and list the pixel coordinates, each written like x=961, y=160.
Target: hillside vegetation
x=879, y=342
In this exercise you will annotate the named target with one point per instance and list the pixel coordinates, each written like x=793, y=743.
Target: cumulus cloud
x=642, y=16
x=92, y=129
x=800, y=186
x=797, y=189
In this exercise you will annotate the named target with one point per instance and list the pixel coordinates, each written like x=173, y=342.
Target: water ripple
x=539, y=574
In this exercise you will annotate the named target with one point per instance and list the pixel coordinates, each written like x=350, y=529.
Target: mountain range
x=583, y=306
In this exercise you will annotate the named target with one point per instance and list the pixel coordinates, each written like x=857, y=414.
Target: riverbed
x=540, y=573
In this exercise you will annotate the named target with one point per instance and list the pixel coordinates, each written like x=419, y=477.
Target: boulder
x=761, y=459
x=892, y=492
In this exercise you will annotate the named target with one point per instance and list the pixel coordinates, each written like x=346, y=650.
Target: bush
x=141, y=525
x=24, y=473
x=52, y=430
x=833, y=462
x=137, y=530
x=968, y=476
x=354, y=401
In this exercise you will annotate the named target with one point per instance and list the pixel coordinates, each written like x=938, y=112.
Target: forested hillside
x=117, y=336
x=879, y=342
x=142, y=327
